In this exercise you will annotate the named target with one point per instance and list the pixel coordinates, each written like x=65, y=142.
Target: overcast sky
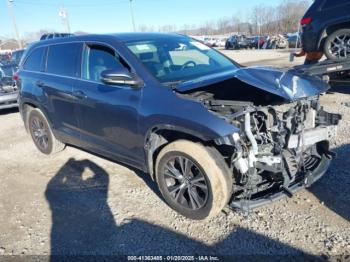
x=107, y=16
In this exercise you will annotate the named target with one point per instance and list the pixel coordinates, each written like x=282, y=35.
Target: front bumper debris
x=246, y=205
x=313, y=136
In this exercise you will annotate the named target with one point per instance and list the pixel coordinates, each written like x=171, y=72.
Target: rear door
x=108, y=114
x=62, y=67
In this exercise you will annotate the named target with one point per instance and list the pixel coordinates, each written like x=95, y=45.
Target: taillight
x=306, y=21
x=15, y=77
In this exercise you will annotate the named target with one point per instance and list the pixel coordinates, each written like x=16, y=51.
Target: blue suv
x=326, y=28
x=209, y=131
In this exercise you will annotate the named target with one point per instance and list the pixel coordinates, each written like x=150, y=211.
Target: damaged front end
x=283, y=143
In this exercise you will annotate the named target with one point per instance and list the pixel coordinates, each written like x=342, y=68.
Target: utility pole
x=9, y=5
x=132, y=16
x=65, y=19
x=259, y=26
x=298, y=35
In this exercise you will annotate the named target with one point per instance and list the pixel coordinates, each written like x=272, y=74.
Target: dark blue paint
x=115, y=120
x=337, y=13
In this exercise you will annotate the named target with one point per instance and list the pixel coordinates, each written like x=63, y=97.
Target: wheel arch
x=159, y=136
x=331, y=29
x=25, y=109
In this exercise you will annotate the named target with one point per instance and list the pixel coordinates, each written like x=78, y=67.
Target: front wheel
x=337, y=45
x=193, y=179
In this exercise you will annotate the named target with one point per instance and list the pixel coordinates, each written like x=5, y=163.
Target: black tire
x=213, y=186
x=333, y=51
x=41, y=133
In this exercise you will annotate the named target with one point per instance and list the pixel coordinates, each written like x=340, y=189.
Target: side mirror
x=120, y=77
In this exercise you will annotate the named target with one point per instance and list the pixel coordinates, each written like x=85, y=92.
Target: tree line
x=261, y=20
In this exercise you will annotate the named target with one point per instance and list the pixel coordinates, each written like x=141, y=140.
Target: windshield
x=179, y=59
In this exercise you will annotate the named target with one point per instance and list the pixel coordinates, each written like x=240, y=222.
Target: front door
x=107, y=114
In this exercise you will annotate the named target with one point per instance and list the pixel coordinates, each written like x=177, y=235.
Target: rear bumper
x=8, y=100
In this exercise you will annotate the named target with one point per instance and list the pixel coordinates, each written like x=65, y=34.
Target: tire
x=330, y=49
x=41, y=133
x=203, y=161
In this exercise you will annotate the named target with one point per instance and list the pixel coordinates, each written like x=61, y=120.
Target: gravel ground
x=78, y=203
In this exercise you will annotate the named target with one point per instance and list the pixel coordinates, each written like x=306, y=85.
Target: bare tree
x=262, y=19
x=223, y=26
x=289, y=13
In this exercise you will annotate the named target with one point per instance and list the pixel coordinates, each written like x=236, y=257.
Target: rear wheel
x=41, y=133
x=194, y=180
x=337, y=45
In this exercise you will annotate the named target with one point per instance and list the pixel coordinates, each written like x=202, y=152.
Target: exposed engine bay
x=280, y=144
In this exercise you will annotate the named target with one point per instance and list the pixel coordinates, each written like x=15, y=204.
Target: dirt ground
x=78, y=203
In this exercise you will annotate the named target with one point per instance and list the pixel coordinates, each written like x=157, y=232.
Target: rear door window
x=35, y=61
x=62, y=59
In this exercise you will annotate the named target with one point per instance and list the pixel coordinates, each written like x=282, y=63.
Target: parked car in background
x=221, y=42
x=207, y=130
x=243, y=42
x=55, y=35
x=231, y=43
x=5, y=58
x=276, y=42
x=252, y=41
x=211, y=42
x=281, y=42
x=256, y=41
x=8, y=88
x=237, y=42
x=326, y=28
x=16, y=56
x=261, y=41
x=294, y=41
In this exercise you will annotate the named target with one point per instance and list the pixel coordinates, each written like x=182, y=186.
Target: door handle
x=40, y=84
x=79, y=94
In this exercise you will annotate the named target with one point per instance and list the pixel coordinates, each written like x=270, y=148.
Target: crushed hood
x=286, y=83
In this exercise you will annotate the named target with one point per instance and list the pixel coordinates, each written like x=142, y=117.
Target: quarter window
x=35, y=60
x=62, y=59
x=97, y=58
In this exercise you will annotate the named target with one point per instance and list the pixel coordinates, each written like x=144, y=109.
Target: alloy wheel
x=40, y=133
x=185, y=182
x=340, y=46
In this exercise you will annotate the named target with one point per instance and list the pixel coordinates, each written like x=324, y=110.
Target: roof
x=121, y=37
x=126, y=37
